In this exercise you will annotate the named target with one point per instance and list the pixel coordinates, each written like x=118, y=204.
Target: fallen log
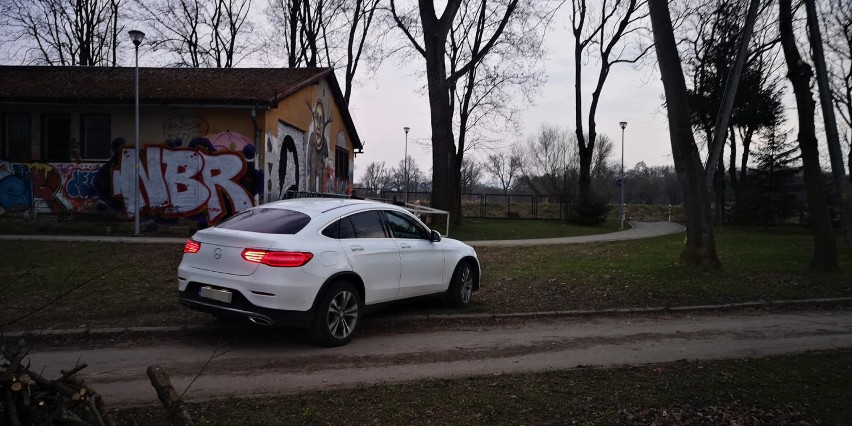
x=176, y=411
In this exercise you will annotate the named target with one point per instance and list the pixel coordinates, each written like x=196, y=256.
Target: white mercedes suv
x=321, y=264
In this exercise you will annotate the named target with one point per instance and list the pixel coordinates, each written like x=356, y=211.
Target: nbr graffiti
x=182, y=182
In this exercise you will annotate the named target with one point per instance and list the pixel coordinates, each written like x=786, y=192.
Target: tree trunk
x=732, y=167
x=700, y=247
x=799, y=72
x=585, y=178
x=841, y=184
x=719, y=187
x=446, y=182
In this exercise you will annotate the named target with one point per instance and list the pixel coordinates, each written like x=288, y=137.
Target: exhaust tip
x=260, y=321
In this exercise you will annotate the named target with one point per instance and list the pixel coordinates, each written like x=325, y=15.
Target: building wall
x=197, y=163
x=302, y=133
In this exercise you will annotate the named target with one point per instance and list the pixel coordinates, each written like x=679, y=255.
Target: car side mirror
x=436, y=236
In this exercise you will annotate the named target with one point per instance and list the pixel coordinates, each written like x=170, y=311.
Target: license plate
x=216, y=294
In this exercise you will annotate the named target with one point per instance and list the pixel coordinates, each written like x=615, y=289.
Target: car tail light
x=191, y=246
x=286, y=259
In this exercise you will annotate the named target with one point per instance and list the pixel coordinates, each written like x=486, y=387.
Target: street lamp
x=406, y=128
x=623, y=124
x=137, y=37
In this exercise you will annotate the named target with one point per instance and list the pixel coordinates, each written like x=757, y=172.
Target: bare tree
x=330, y=33
x=397, y=176
x=835, y=153
x=551, y=163
x=471, y=174
x=177, y=28
x=504, y=168
x=489, y=98
x=375, y=178
x=447, y=68
x=700, y=249
x=799, y=72
x=228, y=22
x=839, y=41
x=604, y=174
x=61, y=32
x=200, y=33
x=614, y=29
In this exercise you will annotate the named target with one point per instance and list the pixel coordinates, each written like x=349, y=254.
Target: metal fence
x=481, y=205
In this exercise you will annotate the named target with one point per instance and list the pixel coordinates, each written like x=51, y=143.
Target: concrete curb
x=427, y=317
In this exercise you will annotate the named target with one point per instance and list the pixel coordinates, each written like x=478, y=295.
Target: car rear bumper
x=241, y=309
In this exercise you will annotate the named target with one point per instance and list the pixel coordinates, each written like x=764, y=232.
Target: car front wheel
x=337, y=316
x=461, y=286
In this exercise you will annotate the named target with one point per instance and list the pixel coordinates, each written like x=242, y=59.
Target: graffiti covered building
x=212, y=141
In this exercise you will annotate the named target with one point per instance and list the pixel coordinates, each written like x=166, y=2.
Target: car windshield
x=267, y=221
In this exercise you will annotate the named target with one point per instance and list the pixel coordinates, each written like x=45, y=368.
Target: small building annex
x=213, y=141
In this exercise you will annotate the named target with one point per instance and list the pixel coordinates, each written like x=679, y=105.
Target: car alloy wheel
x=466, y=283
x=461, y=286
x=342, y=314
x=337, y=315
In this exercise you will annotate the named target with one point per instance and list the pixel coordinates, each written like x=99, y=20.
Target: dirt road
x=259, y=363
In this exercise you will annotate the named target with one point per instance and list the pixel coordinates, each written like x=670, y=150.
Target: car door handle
x=405, y=246
x=356, y=248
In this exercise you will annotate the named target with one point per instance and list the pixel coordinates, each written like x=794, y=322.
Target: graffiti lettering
x=183, y=182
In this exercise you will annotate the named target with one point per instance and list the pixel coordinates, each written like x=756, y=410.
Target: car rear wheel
x=461, y=287
x=337, y=316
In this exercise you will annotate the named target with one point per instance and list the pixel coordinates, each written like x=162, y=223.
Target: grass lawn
x=810, y=387
x=135, y=284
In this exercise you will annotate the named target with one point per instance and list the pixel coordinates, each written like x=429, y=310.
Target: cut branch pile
x=28, y=398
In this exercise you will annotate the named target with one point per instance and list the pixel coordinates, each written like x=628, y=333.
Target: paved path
x=269, y=363
x=637, y=231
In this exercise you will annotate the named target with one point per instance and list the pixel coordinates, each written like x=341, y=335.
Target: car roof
x=317, y=206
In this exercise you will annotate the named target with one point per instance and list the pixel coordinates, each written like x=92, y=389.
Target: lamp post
x=137, y=37
x=406, y=128
x=623, y=124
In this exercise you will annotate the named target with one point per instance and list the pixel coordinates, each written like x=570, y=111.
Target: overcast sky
x=383, y=106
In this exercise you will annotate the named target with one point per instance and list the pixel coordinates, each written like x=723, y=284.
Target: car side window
x=341, y=229
x=333, y=230
x=346, y=228
x=367, y=225
x=405, y=227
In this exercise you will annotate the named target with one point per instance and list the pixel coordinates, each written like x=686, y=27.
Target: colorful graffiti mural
x=193, y=181
x=50, y=188
x=296, y=161
x=318, y=152
x=285, y=162
x=183, y=182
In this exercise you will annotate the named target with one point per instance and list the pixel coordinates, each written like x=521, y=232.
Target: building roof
x=249, y=87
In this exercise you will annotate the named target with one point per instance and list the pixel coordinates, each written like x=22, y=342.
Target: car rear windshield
x=267, y=221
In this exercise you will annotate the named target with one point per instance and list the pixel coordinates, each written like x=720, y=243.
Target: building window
x=341, y=164
x=94, y=136
x=56, y=138
x=17, y=142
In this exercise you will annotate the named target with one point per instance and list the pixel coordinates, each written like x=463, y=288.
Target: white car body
x=218, y=279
